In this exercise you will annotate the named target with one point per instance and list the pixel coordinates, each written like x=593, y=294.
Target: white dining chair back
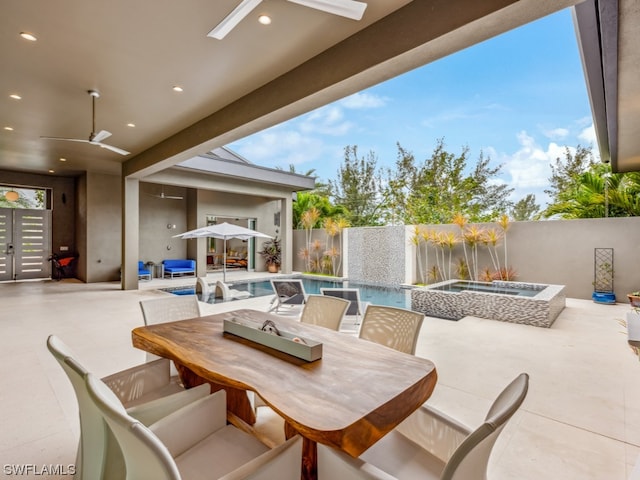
x=471, y=458
x=145, y=456
x=146, y=392
x=169, y=309
x=431, y=444
x=356, y=307
x=324, y=311
x=397, y=328
x=90, y=458
x=193, y=442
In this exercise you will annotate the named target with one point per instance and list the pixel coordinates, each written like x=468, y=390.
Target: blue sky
x=520, y=98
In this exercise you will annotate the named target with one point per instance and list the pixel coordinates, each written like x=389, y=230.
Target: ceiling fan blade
x=112, y=148
x=345, y=8
x=66, y=139
x=101, y=135
x=235, y=17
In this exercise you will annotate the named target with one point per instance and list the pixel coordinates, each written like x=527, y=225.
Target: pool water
x=376, y=295
x=484, y=287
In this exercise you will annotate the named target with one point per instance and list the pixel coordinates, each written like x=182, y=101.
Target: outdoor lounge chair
x=289, y=292
x=356, y=307
x=179, y=267
x=143, y=273
x=430, y=444
x=223, y=291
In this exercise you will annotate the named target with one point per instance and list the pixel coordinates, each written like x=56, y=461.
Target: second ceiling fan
x=345, y=8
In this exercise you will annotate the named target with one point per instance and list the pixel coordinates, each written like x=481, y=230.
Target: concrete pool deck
x=581, y=419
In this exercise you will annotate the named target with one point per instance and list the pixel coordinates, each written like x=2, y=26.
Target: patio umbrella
x=224, y=231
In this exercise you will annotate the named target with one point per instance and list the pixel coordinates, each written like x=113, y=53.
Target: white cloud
x=556, y=133
x=463, y=112
x=280, y=147
x=327, y=120
x=528, y=169
x=363, y=100
x=588, y=135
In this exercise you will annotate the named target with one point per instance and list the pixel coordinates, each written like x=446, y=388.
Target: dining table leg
x=309, y=464
x=309, y=460
x=237, y=400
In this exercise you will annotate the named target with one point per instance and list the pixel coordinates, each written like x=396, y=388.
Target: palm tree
x=416, y=240
x=308, y=221
x=460, y=220
x=490, y=240
x=473, y=236
x=504, y=224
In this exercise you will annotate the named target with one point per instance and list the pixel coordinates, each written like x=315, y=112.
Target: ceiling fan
x=345, y=8
x=94, y=138
x=164, y=196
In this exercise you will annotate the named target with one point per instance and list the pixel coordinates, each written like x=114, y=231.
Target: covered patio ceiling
x=256, y=77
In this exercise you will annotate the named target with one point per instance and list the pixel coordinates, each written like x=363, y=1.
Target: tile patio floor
x=581, y=419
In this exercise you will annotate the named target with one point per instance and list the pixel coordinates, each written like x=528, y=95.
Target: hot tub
x=516, y=302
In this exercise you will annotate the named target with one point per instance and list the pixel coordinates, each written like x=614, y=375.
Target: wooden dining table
x=348, y=399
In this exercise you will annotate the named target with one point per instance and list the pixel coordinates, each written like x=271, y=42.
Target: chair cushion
x=238, y=447
x=400, y=457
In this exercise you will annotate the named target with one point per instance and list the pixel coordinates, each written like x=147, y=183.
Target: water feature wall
x=376, y=255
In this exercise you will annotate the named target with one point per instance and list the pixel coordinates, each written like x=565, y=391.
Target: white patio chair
x=193, y=442
x=145, y=390
x=169, y=309
x=430, y=444
x=324, y=311
x=172, y=309
x=289, y=292
x=356, y=307
x=394, y=327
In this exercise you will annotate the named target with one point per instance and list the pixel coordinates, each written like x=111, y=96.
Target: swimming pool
x=373, y=294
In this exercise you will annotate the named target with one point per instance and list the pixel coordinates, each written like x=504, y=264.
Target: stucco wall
x=300, y=241
x=156, y=216
x=103, y=253
x=562, y=252
x=557, y=252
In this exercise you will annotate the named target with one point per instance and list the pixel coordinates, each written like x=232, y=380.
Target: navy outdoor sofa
x=179, y=267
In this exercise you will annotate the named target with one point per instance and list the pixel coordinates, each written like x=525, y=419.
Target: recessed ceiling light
x=10, y=129
x=51, y=171
x=131, y=125
x=28, y=36
x=15, y=96
x=264, y=19
x=63, y=159
x=177, y=88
